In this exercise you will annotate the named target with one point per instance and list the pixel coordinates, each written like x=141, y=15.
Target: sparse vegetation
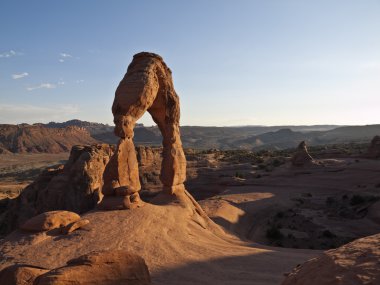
x=330, y=201
x=328, y=234
x=280, y=215
x=239, y=175
x=273, y=233
x=360, y=199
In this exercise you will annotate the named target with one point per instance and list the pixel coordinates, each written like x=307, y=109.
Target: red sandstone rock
x=76, y=187
x=50, y=220
x=147, y=86
x=20, y=275
x=356, y=263
x=74, y=226
x=106, y=268
x=122, y=170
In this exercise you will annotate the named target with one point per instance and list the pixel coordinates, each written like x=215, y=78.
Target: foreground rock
x=75, y=187
x=302, y=156
x=356, y=263
x=106, y=268
x=50, y=220
x=172, y=234
x=20, y=275
x=98, y=267
x=374, y=148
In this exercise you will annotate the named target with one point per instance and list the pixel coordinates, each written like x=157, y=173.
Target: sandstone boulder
x=356, y=263
x=20, y=275
x=374, y=148
x=74, y=226
x=50, y=220
x=106, y=268
x=301, y=156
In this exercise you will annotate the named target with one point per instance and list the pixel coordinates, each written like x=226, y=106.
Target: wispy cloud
x=10, y=54
x=64, y=56
x=80, y=81
x=18, y=113
x=42, y=86
x=20, y=75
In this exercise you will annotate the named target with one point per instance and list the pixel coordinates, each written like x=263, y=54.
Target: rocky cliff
x=36, y=138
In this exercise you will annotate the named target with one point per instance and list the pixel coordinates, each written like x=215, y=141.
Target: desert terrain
x=19, y=170
x=269, y=215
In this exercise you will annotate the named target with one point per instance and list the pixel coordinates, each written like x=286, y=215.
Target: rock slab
x=106, y=268
x=50, y=220
x=356, y=263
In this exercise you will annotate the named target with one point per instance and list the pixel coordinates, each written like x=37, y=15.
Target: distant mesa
x=247, y=137
x=301, y=157
x=38, y=139
x=79, y=123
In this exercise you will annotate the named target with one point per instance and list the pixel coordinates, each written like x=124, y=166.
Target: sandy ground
x=304, y=202
x=182, y=246
x=19, y=170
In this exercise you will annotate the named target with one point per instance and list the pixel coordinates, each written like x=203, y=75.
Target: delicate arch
x=147, y=86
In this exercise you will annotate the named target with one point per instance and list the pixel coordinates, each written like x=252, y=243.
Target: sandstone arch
x=147, y=86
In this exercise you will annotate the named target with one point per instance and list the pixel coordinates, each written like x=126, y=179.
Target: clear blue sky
x=234, y=62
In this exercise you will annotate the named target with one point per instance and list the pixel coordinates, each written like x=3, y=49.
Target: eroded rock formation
x=147, y=86
x=374, y=148
x=76, y=187
x=302, y=156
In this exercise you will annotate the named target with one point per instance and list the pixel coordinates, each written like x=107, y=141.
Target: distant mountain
x=26, y=138
x=287, y=138
x=56, y=137
x=283, y=138
x=93, y=128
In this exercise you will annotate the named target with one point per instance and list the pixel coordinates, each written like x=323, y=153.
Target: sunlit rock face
x=147, y=86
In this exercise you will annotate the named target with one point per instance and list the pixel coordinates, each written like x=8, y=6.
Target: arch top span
x=147, y=86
